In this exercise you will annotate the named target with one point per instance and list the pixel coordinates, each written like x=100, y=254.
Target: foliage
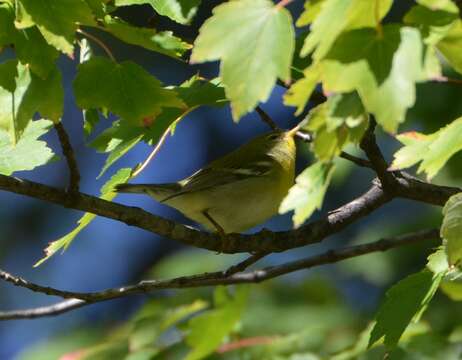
x=365, y=67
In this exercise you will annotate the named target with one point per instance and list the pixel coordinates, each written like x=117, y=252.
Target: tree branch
x=264, y=241
x=207, y=279
x=74, y=174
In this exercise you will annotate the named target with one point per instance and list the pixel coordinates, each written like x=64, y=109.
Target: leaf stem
x=99, y=42
x=378, y=24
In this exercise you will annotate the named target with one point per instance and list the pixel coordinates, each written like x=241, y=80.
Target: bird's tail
x=157, y=191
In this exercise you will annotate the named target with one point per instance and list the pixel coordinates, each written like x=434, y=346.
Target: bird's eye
x=273, y=136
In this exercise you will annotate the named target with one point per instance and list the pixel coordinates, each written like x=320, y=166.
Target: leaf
x=403, y=302
x=162, y=42
x=254, y=39
x=335, y=123
x=433, y=24
x=107, y=193
x=8, y=73
x=433, y=150
x=117, y=140
x=353, y=64
x=28, y=152
x=348, y=14
x=125, y=89
x=311, y=10
x=58, y=20
x=451, y=229
x=30, y=46
x=181, y=11
x=6, y=24
x=208, y=330
x=450, y=46
x=29, y=96
x=32, y=49
x=152, y=321
x=308, y=192
x=300, y=92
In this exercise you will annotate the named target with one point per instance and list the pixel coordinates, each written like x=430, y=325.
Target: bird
x=236, y=192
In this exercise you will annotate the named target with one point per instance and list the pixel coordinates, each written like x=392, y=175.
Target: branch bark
x=77, y=299
x=74, y=174
x=264, y=241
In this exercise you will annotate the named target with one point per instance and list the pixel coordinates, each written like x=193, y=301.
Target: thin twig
x=152, y=154
x=267, y=119
x=357, y=160
x=99, y=42
x=243, y=265
x=207, y=279
x=74, y=174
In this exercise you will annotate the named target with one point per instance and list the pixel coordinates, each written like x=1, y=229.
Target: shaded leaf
x=307, y=194
x=152, y=321
x=255, y=42
x=29, y=152
x=403, y=302
x=125, y=89
x=208, y=330
x=181, y=11
x=31, y=94
x=8, y=73
x=163, y=42
x=353, y=64
x=107, y=193
x=451, y=229
x=433, y=24
x=58, y=20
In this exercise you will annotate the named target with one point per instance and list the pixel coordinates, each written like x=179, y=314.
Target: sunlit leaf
x=451, y=229
x=348, y=14
x=181, y=11
x=299, y=93
x=29, y=152
x=255, y=42
x=433, y=150
x=451, y=44
x=335, y=123
x=385, y=83
x=307, y=194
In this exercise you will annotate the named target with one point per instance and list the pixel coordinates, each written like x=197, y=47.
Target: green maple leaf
x=451, y=229
x=163, y=42
x=254, y=39
x=29, y=94
x=382, y=68
x=28, y=152
x=125, y=89
x=433, y=150
x=181, y=11
x=58, y=20
x=307, y=194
